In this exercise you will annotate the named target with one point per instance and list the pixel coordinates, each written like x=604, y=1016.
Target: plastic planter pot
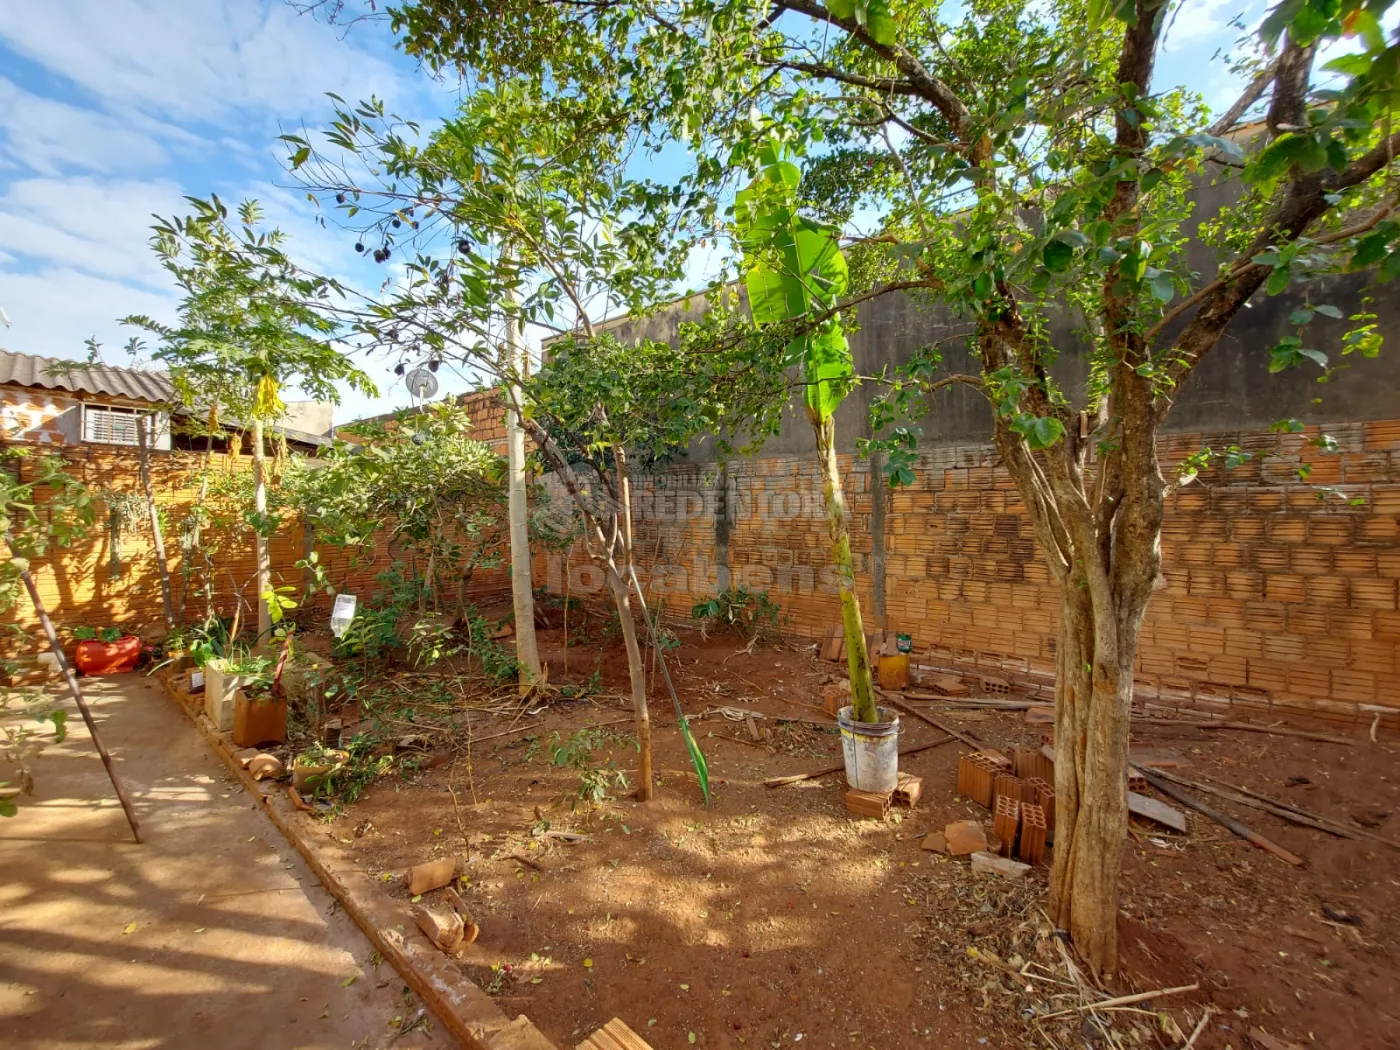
x=107, y=657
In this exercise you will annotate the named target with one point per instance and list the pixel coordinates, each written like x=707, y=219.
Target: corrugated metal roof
x=80, y=377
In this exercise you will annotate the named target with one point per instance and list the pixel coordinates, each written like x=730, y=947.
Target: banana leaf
x=795, y=269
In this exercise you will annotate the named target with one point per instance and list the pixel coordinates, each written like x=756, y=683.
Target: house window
x=115, y=425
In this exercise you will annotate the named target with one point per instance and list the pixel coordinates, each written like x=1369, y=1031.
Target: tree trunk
x=264, y=561
x=834, y=501
x=527, y=653
x=636, y=671
x=1095, y=655
x=143, y=459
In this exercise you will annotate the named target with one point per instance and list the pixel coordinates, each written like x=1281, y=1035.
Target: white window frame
x=99, y=428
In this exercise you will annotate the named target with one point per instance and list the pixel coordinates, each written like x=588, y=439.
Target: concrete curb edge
x=459, y=1005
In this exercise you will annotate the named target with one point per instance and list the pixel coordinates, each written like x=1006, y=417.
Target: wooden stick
x=1228, y=822
x=773, y=782
x=900, y=705
x=1244, y=797
x=1245, y=727
x=77, y=692
x=1123, y=1000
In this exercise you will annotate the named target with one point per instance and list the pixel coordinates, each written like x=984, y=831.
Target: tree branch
x=1248, y=97
x=1288, y=110
x=924, y=83
x=884, y=85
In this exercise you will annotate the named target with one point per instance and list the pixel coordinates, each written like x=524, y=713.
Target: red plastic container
x=107, y=657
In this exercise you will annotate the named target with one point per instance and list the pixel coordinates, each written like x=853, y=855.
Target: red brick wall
x=1273, y=597
x=80, y=589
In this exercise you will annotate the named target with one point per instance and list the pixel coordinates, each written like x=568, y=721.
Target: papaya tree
x=1024, y=164
x=250, y=325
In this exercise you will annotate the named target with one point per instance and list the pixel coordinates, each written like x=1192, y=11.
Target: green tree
x=1026, y=165
x=423, y=484
x=250, y=325
x=516, y=214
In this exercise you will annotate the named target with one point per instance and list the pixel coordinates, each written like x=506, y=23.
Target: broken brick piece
x=868, y=803
x=430, y=876
x=991, y=864
x=935, y=841
x=1006, y=820
x=444, y=928
x=263, y=766
x=908, y=789
x=964, y=837
x=1032, y=845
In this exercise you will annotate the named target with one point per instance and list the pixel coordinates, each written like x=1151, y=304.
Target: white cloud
x=85, y=224
x=198, y=61
x=53, y=310
x=47, y=136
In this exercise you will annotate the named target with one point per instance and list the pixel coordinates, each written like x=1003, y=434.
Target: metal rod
x=77, y=692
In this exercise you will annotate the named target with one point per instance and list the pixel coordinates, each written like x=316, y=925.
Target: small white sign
x=342, y=613
x=196, y=681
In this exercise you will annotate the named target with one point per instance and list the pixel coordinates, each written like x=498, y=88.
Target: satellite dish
x=421, y=383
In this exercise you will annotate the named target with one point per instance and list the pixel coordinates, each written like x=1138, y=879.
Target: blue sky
x=111, y=110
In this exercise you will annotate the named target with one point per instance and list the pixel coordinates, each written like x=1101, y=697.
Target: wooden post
x=77, y=692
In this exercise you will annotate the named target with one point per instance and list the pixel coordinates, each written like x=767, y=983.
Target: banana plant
x=796, y=274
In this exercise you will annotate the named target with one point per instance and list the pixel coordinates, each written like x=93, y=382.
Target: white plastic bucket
x=871, y=750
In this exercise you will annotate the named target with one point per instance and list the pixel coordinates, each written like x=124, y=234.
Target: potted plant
x=314, y=767
x=260, y=707
x=105, y=650
x=224, y=677
x=259, y=717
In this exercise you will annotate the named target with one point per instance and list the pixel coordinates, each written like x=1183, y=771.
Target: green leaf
x=697, y=759
x=1278, y=281
x=1390, y=269
x=1058, y=256
x=1163, y=288
x=880, y=23
x=982, y=285
x=1043, y=431
x=1327, y=310
x=1370, y=250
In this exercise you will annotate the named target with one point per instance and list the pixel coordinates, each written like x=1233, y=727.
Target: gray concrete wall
x=1230, y=390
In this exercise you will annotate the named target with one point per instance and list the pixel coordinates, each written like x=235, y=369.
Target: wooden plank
x=831, y=650
x=615, y=1035
x=1152, y=809
x=1223, y=819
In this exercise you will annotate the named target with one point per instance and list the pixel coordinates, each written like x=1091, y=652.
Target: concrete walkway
x=211, y=935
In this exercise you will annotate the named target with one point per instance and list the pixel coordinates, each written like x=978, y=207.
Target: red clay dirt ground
x=773, y=918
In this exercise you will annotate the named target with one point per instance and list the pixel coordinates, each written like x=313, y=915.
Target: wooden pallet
x=615, y=1035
